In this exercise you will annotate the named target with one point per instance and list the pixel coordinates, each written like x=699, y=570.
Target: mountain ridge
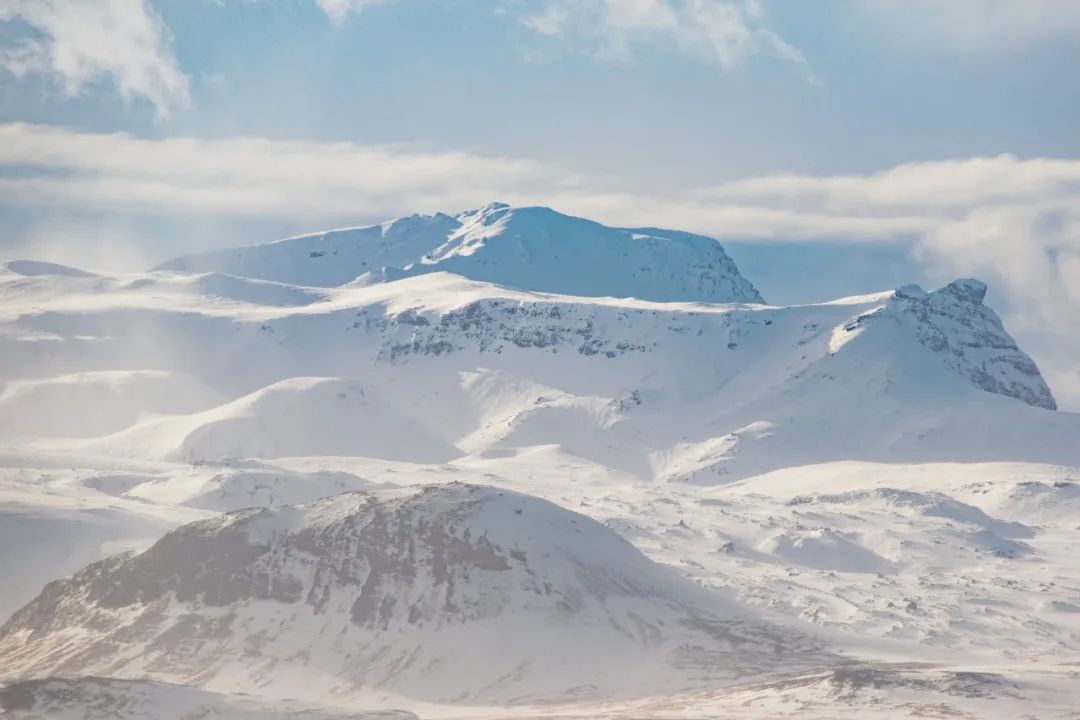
x=532, y=248
x=657, y=389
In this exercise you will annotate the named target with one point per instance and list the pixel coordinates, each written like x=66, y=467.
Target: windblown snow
x=510, y=462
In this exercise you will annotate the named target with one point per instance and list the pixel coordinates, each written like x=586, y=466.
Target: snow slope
x=530, y=248
x=298, y=416
x=35, y=268
x=95, y=403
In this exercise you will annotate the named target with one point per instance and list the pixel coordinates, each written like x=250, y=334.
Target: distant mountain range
x=438, y=440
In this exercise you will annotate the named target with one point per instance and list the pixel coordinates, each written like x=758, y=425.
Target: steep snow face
x=540, y=249
x=529, y=248
x=359, y=591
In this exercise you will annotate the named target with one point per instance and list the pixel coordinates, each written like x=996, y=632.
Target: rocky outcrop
x=968, y=336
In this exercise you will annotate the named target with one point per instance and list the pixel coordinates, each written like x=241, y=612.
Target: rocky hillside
x=359, y=592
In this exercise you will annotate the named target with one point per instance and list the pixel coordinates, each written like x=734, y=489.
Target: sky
x=834, y=147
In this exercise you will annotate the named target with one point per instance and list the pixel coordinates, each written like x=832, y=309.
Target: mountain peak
x=954, y=324
x=489, y=208
x=529, y=248
x=538, y=248
x=967, y=289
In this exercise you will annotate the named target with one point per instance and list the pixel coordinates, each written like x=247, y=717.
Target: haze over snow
x=811, y=451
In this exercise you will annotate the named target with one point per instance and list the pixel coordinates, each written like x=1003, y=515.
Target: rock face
x=529, y=248
x=361, y=591
x=952, y=323
x=968, y=337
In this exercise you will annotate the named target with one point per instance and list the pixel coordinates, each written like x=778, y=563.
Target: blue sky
x=472, y=75
x=835, y=146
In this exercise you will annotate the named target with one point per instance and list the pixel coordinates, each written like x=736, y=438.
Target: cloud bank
x=312, y=179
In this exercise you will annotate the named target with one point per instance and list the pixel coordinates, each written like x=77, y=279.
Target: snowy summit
x=531, y=248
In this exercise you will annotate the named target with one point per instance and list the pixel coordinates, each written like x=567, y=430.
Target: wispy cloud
x=80, y=43
x=245, y=176
x=943, y=187
x=338, y=10
x=83, y=44
x=724, y=32
x=258, y=176
x=56, y=167
x=975, y=26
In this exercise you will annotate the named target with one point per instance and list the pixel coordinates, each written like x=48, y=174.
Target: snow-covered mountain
x=532, y=248
x=437, y=367
x=358, y=592
x=886, y=474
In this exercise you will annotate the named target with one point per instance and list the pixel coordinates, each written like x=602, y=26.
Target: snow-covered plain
x=588, y=472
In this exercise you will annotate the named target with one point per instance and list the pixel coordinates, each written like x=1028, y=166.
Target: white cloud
x=724, y=32
x=255, y=176
x=245, y=176
x=975, y=25
x=943, y=187
x=83, y=42
x=338, y=10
